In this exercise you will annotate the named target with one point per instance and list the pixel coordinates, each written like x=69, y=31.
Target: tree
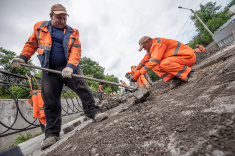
x=6, y=56
x=230, y=4
x=91, y=67
x=212, y=18
x=110, y=88
x=94, y=70
x=153, y=76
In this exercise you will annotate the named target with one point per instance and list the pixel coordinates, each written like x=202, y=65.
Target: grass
x=72, y=119
x=21, y=139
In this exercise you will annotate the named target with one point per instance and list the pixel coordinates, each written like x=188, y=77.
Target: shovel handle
x=79, y=76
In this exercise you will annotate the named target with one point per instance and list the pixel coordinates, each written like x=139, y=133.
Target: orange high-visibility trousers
x=178, y=66
x=143, y=82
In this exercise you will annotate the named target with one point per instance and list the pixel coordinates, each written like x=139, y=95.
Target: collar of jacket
x=68, y=28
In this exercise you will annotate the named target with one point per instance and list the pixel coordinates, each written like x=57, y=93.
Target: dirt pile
x=196, y=118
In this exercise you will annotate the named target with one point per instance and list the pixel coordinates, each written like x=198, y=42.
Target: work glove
x=136, y=75
x=67, y=72
x=132, y=80
x=16, y=62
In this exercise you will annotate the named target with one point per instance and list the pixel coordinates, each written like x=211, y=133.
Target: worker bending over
x=142, y=81
x=199, y=48
x=167, y=58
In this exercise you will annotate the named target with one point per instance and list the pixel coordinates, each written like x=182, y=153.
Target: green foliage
x=231, y=4
x=92, y=84
x=6, y=56
x=72, y=119
x=94, y=70
x=38, y=73
x=110, y=88
x=21, y=139
x=68, y=94
x=16, y=91
x=90, y=67
x=213, y=19
x=153, y=76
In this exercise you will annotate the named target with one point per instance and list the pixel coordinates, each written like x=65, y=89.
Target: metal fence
x=9, y=80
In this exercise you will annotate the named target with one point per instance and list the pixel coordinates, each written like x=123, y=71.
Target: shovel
x=139, y=92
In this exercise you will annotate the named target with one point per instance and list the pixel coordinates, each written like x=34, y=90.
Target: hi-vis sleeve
x=75, y=50
x=31, y=45
x=143, y=62
x=158, y=51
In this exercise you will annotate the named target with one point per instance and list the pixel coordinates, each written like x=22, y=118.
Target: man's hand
x=67, y=72
x=16, y=62
x=136, y=75
x=132, y=80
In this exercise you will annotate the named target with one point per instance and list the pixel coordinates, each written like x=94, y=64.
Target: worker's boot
x=48, y=141
x=175, y=82
x=100, y=116
x=191, y=75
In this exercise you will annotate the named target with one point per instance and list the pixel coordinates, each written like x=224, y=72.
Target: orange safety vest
x=38, y=110
x=41, y=42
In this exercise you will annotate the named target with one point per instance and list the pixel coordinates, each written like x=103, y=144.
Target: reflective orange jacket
x=124, y=83
x=143, y=82
x=199, y=49
x=100, y=90
x=38, y=110
x=41, y=42
x=162, y=48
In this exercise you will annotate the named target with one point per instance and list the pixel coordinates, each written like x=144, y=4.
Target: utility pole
x=199, y=20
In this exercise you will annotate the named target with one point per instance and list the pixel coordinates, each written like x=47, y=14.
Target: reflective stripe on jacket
x=41, y=42
x=162, y=48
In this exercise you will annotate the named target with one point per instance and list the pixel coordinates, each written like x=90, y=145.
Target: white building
x=226, y=33
x=232, y=9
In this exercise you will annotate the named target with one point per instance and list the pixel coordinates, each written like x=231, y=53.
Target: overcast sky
x=109, y=29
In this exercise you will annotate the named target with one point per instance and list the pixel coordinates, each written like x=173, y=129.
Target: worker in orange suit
x=59, y=48
x=199, y=49
x=141, y=80
x=101, y=96
x=168, y=58
x=124, y=83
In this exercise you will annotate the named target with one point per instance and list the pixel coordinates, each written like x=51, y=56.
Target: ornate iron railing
x=8, y=81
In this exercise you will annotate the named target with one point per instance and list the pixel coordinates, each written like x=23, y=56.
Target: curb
x=32, y=146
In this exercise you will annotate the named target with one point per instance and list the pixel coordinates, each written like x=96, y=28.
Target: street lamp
x=198, y=19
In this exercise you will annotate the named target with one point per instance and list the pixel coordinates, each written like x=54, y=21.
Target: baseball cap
x=142, y=40
x=58, y=9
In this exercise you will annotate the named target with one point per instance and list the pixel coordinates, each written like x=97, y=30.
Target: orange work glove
x=136, y=75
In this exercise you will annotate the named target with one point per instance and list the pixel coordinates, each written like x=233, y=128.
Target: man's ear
x=51, y=15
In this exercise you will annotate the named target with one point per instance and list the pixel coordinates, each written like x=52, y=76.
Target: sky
x=109, y=30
